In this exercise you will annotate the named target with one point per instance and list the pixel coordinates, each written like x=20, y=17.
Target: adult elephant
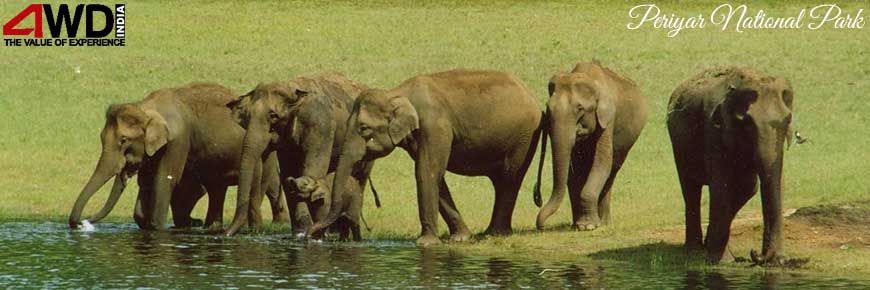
x=474, y=123
x=303, y=120
x=594, y=117
x=727, y=127
x=182, y=142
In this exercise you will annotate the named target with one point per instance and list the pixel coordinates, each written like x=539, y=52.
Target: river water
x=48, y=255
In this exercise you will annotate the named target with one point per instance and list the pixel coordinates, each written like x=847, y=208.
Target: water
x=120, y=256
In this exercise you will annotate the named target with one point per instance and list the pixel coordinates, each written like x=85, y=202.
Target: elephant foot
x=428, y=240
x=693, y=248
x=460, y=237
x=214, y=228
x=771, y=258
x=586, y=226
x=196, y=223
x=498, y=231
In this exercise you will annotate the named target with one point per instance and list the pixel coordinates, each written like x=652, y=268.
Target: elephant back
x=333, y=88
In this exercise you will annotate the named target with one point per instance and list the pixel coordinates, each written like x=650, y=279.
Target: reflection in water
x=120, y=256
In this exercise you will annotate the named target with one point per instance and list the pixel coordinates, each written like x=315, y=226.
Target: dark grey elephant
x=594, y=116
x=303, y=120
x=474, y=123
x=728, y=126
x=182, y=142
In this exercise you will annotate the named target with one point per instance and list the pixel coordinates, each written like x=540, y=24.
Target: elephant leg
x=507, y=184
x=691, y=172
x=214, y=219
x=719, y=229
x=139, y=214
x=599, y=173
x=578, y=172
x=272, y=184
x=692, y=199
x=459, y=232
x=255, y=215
x=169, y=171
x=144, y=200
x=355, y=231
x=185, y=195
x=343, y=229
x=604, y=204
x=506, y=190
x=728, y=194
x=432, y=158
x=604, y=198
x=280, y=214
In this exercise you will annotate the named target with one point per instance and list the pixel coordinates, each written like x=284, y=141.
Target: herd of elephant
x=313, y=141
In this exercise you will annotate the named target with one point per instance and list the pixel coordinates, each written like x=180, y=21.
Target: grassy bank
x=52, y=103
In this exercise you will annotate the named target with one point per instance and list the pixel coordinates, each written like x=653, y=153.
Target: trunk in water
x=109, y=165
x=562, y=139
x=352, y=152
x=770, y=146
x=256, y=140
x=114, y=195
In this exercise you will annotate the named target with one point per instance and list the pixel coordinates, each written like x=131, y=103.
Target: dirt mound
x=834, y=215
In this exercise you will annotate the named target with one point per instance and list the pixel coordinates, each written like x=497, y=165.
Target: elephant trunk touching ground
x=770, y=174
x=563, y=139
x=110, y=164
x=250, y=169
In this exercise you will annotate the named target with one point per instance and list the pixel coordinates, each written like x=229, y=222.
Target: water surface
x=48, y=255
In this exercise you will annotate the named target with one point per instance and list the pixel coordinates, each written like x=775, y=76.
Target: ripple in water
x=48, y=255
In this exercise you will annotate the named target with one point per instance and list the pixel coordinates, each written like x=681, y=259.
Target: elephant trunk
x=563, y=139
x=256, y=140
x=770, y=163
x=110, y=164
x=352, y=152
x=114, y=195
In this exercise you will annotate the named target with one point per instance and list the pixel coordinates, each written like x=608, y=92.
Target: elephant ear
x=737, y=101
x=605, y=107
x=403, y=121
x=292, y=93
x=156, y=133
x=239, y=107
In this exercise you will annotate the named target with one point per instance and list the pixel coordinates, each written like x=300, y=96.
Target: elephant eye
x=123, y=140
x=364, y=129
x=273, y=117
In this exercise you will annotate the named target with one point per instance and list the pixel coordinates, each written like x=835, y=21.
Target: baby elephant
x=314, y=189
x=727, y=128
x=594, y=116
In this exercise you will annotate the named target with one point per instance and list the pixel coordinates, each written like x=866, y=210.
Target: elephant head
x=265, y=113
x=380, y=121
x=130, y=136
x=579, y=107
x=753, y=118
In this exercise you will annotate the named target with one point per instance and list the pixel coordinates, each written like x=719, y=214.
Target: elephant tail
x=537, y=191
x=374, y=193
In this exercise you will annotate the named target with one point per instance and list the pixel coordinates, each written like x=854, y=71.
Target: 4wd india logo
x=100, y=22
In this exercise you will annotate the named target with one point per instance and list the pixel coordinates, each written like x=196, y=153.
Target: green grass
x=52, y=116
